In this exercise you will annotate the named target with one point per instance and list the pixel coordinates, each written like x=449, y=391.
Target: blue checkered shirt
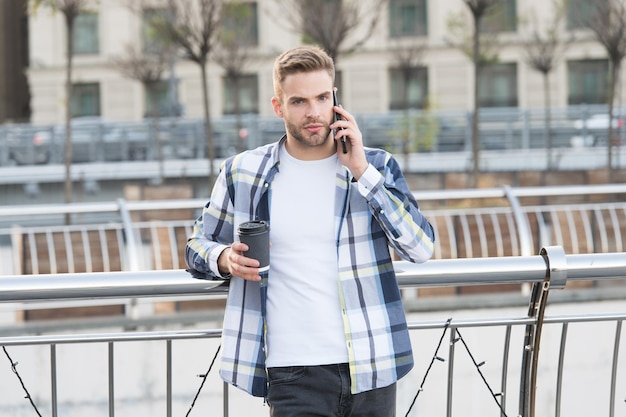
x=371, y=215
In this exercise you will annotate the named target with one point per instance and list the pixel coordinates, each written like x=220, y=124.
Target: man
x=327, y=335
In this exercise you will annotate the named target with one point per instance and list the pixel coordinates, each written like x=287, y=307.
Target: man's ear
x=277, y=107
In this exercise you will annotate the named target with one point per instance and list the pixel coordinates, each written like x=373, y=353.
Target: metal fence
x=514, y=384
x=126, y=235
x=96, y=140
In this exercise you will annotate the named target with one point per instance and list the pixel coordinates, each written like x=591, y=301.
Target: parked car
x=92, y=140
x=22, y=145
x=43, y=144
x=96, y=140
x=593, y=130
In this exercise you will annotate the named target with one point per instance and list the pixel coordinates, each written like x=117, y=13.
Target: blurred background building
x=370, y=77
x=404, y=68
x=14, y=97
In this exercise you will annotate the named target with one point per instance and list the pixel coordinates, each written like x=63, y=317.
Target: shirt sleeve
x=212, y=232
x=394, y=207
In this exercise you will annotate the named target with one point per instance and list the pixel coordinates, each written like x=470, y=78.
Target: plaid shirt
x=371, y=214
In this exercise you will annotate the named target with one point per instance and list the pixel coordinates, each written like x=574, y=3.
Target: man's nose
x=313, y=110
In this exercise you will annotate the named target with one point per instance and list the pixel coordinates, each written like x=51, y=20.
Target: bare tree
x=333, y=24
x=609, y=26
x=148, y=70
x=406, y=59
x=193, y=27
x=543, y=48
x=480, y=50
x=70, y=9
x=232, y=53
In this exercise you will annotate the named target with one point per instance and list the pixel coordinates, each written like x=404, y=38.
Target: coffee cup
x=256, y=234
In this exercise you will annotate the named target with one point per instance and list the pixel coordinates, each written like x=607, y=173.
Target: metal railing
x=505, y=221
x=552, y=269
x=95, y=140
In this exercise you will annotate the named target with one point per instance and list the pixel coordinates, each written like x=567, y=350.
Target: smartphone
x=337, y=117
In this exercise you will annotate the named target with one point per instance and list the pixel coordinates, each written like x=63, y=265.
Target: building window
x=502, y=17
x=498, y=85
x=409, y=88
x=151, y=41
x=86, y=38
x=587, y=81
x=85, y=100
x=408, y=18
x=581, y=12
x=248, y=87
x=157, y=100
x=241, y=23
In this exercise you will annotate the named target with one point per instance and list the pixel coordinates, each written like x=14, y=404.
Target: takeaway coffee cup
x=256, y=234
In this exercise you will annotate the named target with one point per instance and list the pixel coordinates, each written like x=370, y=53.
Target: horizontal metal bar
x=518, y=321
x=216, y=333
x=423, y=195
x=599, y=265
x=520, y=192
x=438, y=272
x=562, y=190
x=110, y=337
x=80, y=208
x=507, y=270
x=471, y=271
x=23, y=288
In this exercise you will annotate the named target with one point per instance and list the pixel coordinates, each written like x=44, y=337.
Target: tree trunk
x=236, y=79
x=548, y=120
x=609, y=140
x=156, y=134
x=476, y=115
x=406, y=123
x=67, y=189
x=207, y=125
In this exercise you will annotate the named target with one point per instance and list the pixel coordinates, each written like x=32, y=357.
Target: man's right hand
x=232, y=261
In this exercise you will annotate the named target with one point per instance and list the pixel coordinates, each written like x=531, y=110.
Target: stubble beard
x=300, y=134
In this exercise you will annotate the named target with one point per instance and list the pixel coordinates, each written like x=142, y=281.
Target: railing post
x=556, y=276
x=111, y=363
x=450, y=371
x=225, y=399
x=505, y=367
x=559, y=378
x=168, y=378
x=618, y=335
x=522, y=222
x=132, y=251
x=53, y=379
x=522, y=226
x=132, y=255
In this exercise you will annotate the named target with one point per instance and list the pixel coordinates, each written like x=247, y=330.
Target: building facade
x=441, y=76
x=14, y=99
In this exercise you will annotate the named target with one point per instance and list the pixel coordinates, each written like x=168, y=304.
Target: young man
x=327, y=335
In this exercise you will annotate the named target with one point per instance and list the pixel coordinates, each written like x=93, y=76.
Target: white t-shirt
x=304, y=322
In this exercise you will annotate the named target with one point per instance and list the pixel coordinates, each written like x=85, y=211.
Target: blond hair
x=306, y=58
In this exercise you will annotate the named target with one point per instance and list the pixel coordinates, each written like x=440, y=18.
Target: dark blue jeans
x=324, y=391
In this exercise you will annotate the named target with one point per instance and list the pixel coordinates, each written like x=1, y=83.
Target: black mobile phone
x=337, y=117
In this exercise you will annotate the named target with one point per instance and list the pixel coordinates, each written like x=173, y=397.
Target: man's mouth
x=314, y=128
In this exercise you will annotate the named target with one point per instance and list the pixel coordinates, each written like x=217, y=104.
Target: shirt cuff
x=368, y=180
x=213, y=256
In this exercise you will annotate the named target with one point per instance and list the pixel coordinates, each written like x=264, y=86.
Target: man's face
x=306, y=106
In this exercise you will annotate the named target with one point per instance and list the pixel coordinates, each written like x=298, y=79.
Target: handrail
x=420, y=195
x=29, y=288
x=436, y=272
x=132, y=248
